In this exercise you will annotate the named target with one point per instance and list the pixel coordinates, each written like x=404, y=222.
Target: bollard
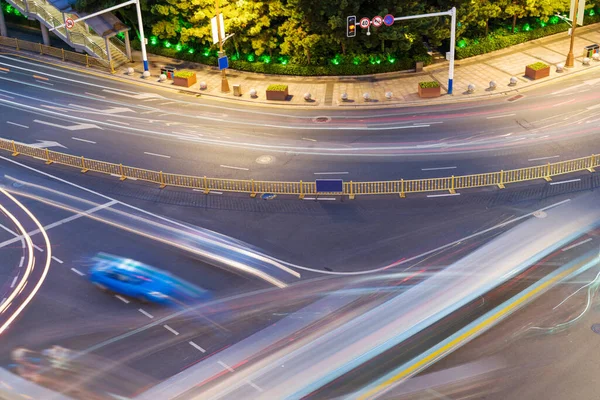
x=513, y=81
x=203, y=86
x=344, y=96
x=388, y=95
x=493, y=85
x=162, y=78
x=307, y=96
x=471, y=88
x=560, y=67
x=366, y=96
x=253, y=93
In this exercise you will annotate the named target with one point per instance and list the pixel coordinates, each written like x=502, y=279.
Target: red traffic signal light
x=351, y=26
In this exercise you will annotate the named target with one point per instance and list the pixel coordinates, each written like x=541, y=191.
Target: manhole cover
x=17, y=184
x=265, y=159
x=321, y=120
x=268, y=196
x=540, y=214
x=596, y=328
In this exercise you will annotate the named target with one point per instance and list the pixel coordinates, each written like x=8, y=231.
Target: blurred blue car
x=143, y=282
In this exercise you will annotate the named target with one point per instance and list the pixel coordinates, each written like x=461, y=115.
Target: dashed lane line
x=123, y=299
x=147, y=314
x=77, y=271
x=173, y=331
x=58, y=260
x=194, y=345
x=225, y=366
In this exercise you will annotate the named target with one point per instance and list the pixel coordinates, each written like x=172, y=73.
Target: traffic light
x=351, y=26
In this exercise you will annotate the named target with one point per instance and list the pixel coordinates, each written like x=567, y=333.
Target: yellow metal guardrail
x=400, y=187
x=63, y=54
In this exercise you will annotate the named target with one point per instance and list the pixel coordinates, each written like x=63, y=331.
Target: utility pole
x=224, y=83
x=570, y=57
x=142, y=38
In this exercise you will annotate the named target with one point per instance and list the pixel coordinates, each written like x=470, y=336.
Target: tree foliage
x=313, y=32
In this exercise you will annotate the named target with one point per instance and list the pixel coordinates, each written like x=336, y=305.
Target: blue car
x=143, y=282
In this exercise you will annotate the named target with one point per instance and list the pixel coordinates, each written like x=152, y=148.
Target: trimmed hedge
x=429, y=84
x=502, y=39
x=292, y=69
x=537, y=66
x=277, y=88
x=184, y=74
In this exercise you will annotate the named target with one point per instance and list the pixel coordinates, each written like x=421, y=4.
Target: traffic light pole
x=452, y=14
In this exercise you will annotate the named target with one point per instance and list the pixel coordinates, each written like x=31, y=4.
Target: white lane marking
x=77, y=272
x=15, y=124
x=12, y=285
x=146, y=313
x=5, y=95
x=21, y=262
x=436, y=169
x=58, y=260
x=542, y=158
x=331, y=173
x=123, y=299
x=168, y=102
x=156, y=155
x=321, y=198
x=173, y=331
x=593, y=107
x=76, y=127
x=95, y=95
x=117, y=122
x=149, y=100
x=229, y=166
x=569, y=181
x=577, y=244
x=9, y=230
x=254, y=385
x=225, y=366
x=84, y=140
x=444, y=195
x=45, y=83
x=417, y=125
x=211, y=192
x=563, y=103
x=197, y=347
x=309, y=139
x=62, y=221
x=500, y=116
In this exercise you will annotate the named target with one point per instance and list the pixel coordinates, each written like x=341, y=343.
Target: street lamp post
x=224, y=82
x=142, y=38
x=570, y=57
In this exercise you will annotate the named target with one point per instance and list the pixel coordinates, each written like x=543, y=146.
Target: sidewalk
x=326, y=92
x=498, y=66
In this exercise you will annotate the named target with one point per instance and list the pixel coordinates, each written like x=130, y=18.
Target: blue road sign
x=330, y=185
x=388, y=20
x=223, y=62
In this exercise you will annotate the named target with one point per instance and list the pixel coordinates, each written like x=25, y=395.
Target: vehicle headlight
x=158, y=294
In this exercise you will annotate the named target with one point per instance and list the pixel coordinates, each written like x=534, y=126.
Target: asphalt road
x=324, y=237
x=546, y=350
x=152, y=128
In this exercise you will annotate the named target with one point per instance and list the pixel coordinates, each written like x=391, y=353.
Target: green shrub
x=347, y=68
x=184, y=74
x=277, y=88
x=429, y=84
x=537, y=66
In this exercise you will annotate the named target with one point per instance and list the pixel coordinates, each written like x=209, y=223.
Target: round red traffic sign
x=377, y=21
x=388, y=20
x=364, y=23
x=69, y=23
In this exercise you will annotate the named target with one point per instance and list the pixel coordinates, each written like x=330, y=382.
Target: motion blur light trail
x=31, y=295
x=221, y=259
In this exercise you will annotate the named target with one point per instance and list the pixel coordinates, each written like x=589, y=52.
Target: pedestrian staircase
x=78, y=37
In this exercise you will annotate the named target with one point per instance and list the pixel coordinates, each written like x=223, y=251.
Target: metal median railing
x=399, y=187
x=65, y=55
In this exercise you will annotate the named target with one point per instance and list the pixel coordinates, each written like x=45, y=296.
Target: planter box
x=430, y=91
x=537, y=74
x=185, y=82
x=277, y=94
